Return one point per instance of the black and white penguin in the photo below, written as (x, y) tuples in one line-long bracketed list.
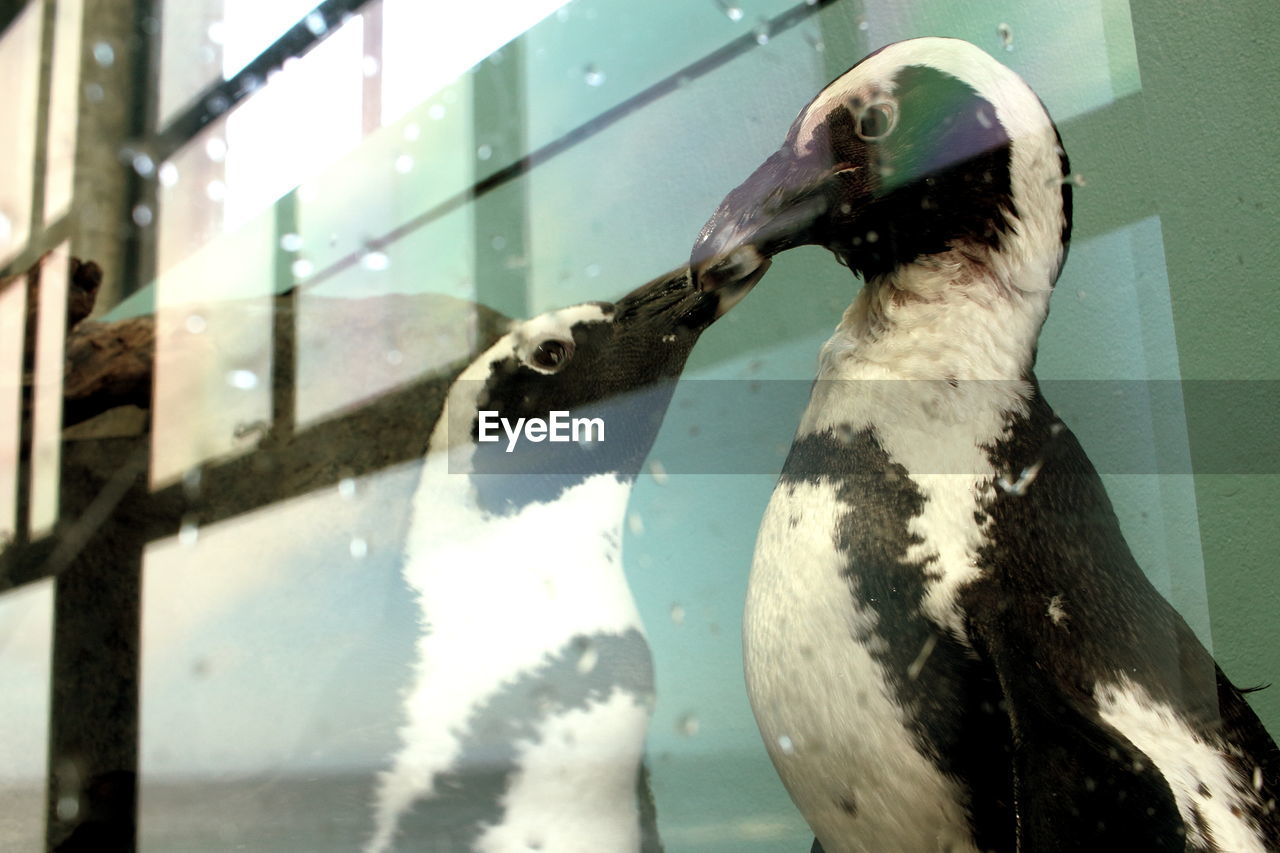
[(948, 644), (526, 721)]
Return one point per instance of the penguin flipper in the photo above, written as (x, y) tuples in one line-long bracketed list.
[(1077, 782)]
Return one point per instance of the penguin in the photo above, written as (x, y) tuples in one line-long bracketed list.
[(948, 644), (526, 719)]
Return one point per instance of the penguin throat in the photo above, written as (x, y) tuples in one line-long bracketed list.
[(951, 316)]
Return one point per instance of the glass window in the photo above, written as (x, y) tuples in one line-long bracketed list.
[(26, 638), (19, 64), (344, 260)]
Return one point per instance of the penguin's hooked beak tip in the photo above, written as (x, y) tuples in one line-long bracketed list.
[(731, 279), (740, 267)]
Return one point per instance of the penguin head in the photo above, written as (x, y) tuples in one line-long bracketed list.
[(591, 381), (924, 148)]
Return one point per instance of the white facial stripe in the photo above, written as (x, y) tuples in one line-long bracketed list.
[(554, 324), (1017, 107)]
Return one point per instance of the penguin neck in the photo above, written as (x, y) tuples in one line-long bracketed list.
[(942, 352), (954, 316)]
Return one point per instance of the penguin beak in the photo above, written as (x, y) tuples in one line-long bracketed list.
[(673, 304), (787, 202)]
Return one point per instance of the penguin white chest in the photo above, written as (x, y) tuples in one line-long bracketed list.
[(824, 703)]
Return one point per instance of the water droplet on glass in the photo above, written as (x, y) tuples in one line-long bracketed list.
[(863, 25), (104, 54), (1019, 487), (635, 524), (1076, 179), (191, 480), (787, 745), (217, 32), (815, 42), (922, 657), (216, 190), (404, 164), (143, 165), (167, 174), (762, 32), (435, 112), (291, 242), (1005, 32), (732, 12), (593, 270), (484, 152), (688, 725), (593, 75), (369, 66), (498, 242), (217, 105), (659, 473), (94, 93), (677, 614), (393, 356), (1257, 778), (245, 380), (359, 548), (216, 149), (141, 215), (196, 324), (188, 533), (301, 268), (68, 807), (375, 260), (315, 23), (872, 236), (562, 14), (347, 487)]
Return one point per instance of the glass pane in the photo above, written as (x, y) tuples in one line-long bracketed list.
[(306, 115), (64, 107), (426, 46), (26, 650), (331, 260), (270, 673), (46, 453), (13, 318), (20, 68), (213, 352), (388, 337), (206, 40)]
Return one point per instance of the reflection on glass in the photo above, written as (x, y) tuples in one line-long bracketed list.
[(26, 640), (204, 40), (64, 106), (370, 329), (19, 69), (46, 443), (307, 115), (13, 309), (271, 672), (213, 351), (399, 172), (426, 46)]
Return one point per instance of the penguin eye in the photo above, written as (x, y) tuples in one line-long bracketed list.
[(876, 121), (552, 354)]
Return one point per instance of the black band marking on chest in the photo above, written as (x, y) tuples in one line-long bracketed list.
[(468, 797), (950, 700)]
